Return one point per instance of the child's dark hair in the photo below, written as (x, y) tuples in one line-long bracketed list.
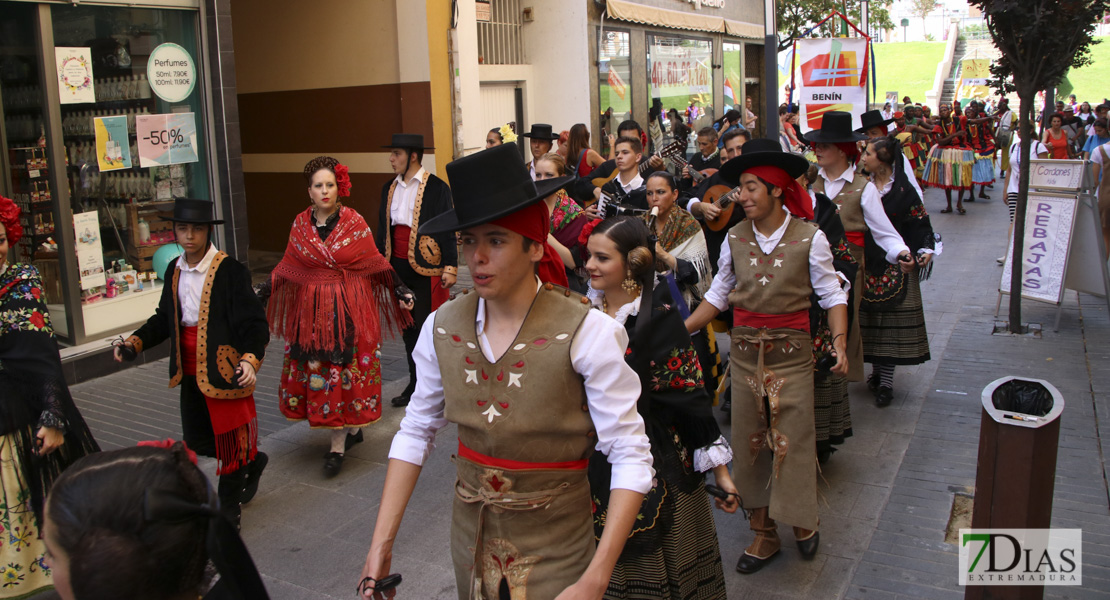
[(96, 512)]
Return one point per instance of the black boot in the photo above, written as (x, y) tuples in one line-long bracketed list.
[(254, 474), (230, 492)]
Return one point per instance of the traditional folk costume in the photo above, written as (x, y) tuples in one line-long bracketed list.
[(331, 291), (213, 320), (767, 282), (861, 211), (35, 396), (529, 420), (544, 132), (892, 316), (567, 221), (982, 142), (420, 260), (874, 118), (673, 551), (950, 164)]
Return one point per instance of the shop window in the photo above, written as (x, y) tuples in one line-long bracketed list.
[(681, 77), (734, 81), (130, 146), (500, 32), (614, 85)]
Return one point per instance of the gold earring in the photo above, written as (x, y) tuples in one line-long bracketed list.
[(630, 285)]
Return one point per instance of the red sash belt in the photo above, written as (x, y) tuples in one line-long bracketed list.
[(502, 463), (401, 241), (795, 320), (189, 350), (856, 238)]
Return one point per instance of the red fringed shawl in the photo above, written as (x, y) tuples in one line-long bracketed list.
[(346, 274)]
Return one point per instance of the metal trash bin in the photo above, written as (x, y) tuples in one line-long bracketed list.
[(1015, 479)]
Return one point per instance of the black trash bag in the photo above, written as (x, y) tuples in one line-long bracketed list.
[(1025, 397)]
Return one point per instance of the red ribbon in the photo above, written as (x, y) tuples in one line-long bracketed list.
[(795, 198)]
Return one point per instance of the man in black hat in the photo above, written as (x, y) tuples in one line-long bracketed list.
[(218, 331), (540, 140), (427, 264), (535, 380)]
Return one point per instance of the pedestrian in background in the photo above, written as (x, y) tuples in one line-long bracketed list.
[(217, 331), (332, 291), (41, 431)]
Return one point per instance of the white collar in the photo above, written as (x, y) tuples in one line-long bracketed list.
[(848, 175), (202, 266), (636, 182), (480, 318), (417, 177), (777, 235), (630, 309)]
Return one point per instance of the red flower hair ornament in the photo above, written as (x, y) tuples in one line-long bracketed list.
[(9, 217), (343, 180), (168, 445), (587, 230)]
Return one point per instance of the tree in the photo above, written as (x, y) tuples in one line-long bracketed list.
[(1032, 61), (795, 17), (921, 9)]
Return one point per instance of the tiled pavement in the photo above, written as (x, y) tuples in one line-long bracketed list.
[(889, 489)]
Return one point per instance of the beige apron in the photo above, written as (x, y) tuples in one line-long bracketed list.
[(773, 430), (519, 521)]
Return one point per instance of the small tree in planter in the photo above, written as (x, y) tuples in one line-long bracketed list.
[(1040, 41)]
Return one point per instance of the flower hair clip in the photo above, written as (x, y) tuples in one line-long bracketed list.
[(343, 180), (507, 134), (587, 230)]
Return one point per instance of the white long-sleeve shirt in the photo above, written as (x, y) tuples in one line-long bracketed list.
[(821, 274), (886, 236), (404, 199), (612, 390), (190, 286)]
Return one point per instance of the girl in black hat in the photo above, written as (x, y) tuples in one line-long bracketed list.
[(218, 330)]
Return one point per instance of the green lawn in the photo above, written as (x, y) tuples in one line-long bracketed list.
[(908, 68), (1090, 83)]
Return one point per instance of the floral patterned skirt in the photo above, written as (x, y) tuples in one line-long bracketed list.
[(23, 572), (332, 395)]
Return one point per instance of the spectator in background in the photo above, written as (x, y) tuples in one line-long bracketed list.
[(730, 121), (581, 158), (1101, 112), (749, 116), (561, 143), (1072, 104), (679, 129), (1085, 115), (1056, 138), (788, 138), (1100, 137)]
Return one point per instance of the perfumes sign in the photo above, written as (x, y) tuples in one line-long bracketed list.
[(710, 3), (172, 72)]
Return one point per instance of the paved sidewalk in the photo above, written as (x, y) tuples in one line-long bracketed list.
[(884, 510)]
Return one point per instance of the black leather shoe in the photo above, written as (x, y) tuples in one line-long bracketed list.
[(824, 455), (254, 474), (333, 463), (884, 396), (749, 564), (873, 383), (352, 439), (400, 401), (808, 548)]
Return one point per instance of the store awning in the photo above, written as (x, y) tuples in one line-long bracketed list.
[(662, 17)]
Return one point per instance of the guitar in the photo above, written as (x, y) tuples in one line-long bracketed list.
[(724, 198), (696, 175), (671, 150)]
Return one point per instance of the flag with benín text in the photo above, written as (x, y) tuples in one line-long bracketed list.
[(831, 74)]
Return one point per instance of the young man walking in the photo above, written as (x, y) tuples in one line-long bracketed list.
[(535, 380), (427, 264)]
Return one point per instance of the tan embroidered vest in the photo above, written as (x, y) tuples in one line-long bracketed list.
[(849, 200), (530, 405), (777, 283)]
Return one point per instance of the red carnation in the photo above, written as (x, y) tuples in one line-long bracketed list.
[(587, 229), (168, 444), (9, 217), (38, 320), (343, 180)]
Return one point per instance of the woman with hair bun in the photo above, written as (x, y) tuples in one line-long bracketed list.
[(142, 523), (673, 550), (41, 431), (331, 293)]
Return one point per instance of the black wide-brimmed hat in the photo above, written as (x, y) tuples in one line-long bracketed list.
[(836, 128), (192, 210), (410, 141), (872, 118), (763, 152), (541, 131), (489, 185)]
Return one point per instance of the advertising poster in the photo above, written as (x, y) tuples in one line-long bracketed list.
[(75, 75), (681, 73), (171, 72), (831, 76), (166, 139), (1048, 230), (113, 150), (90, 256), (974, 74)]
